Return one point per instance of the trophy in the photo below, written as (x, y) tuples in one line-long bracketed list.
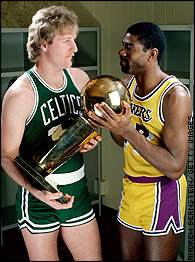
[(73, 133), (105, 88)]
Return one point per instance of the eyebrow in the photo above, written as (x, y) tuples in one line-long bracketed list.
[(67, 36), (127, 43)]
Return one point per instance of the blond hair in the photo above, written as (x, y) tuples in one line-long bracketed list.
[(45, 24)]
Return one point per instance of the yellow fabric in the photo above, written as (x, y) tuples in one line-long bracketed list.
[(147, 118), (138, 206)]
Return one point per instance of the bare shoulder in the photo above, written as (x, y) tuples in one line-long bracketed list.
[(178, 99), (178, 92), (21, 87), (80, 77), (20, 94)]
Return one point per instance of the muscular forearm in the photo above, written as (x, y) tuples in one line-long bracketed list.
[(12, 171), (45, 196), (158, 156)]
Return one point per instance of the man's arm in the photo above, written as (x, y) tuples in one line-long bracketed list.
[(170, 157), (119, 140), (17, 106)]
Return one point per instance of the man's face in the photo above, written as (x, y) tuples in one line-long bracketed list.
[(62, 49), (132, 55)]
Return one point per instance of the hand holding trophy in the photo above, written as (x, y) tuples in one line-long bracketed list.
[(71, 136)]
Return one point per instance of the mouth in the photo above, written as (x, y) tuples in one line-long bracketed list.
[(123, 62), (70, 56), (124, 66)]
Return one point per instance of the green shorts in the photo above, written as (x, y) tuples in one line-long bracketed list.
[(39, 217)]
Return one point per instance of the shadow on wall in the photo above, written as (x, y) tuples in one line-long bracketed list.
[(19, 13)]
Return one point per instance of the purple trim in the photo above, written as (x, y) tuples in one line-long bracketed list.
[(153, 91), (168, 205), (144, 179), (130, 82)]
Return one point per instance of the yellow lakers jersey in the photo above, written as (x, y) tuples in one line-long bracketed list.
[(147, 118)]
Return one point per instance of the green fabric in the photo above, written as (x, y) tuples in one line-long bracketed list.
[(34, 213), (50, 110)]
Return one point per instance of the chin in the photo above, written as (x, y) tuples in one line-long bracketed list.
[(68, 64), (125, 70)]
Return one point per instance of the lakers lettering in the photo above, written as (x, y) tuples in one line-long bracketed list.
[(142, 112), (57, 107)]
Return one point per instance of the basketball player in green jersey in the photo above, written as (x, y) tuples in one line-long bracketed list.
[(154, 134), (35, 105)]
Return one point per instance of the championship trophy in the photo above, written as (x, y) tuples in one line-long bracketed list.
[(72, 134)]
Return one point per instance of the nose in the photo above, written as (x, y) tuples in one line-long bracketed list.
[(122, 52), (74, 46)]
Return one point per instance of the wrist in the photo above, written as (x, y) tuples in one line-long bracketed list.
[(127, 132)]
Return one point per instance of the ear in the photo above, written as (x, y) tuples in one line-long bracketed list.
[(44, 46), (153, 55)]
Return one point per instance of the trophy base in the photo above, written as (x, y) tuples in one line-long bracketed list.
[(39, 178)]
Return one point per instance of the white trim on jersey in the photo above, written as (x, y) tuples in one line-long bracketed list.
[(36, 99), (160, 105), (58, 90)]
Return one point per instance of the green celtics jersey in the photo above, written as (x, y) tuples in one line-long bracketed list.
[(51, 108)]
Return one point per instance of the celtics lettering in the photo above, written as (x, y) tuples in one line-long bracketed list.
[(57, 107)]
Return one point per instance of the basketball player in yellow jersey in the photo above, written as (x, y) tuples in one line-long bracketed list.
[(154, 134)]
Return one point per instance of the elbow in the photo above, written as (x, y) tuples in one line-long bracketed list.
[(6, 160), (175, 176), (176, 172)]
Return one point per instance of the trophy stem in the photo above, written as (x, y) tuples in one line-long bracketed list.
[(53, 151), (46, 185)]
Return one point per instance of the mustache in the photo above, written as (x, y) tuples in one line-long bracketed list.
[(123, 59)]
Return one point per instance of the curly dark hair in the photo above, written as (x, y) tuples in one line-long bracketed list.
[(150, 36)]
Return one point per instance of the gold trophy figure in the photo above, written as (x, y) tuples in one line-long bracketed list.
[(105, 88), (70, 136)]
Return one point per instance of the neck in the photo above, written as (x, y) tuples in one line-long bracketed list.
[(147, 81), (52, 76)]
